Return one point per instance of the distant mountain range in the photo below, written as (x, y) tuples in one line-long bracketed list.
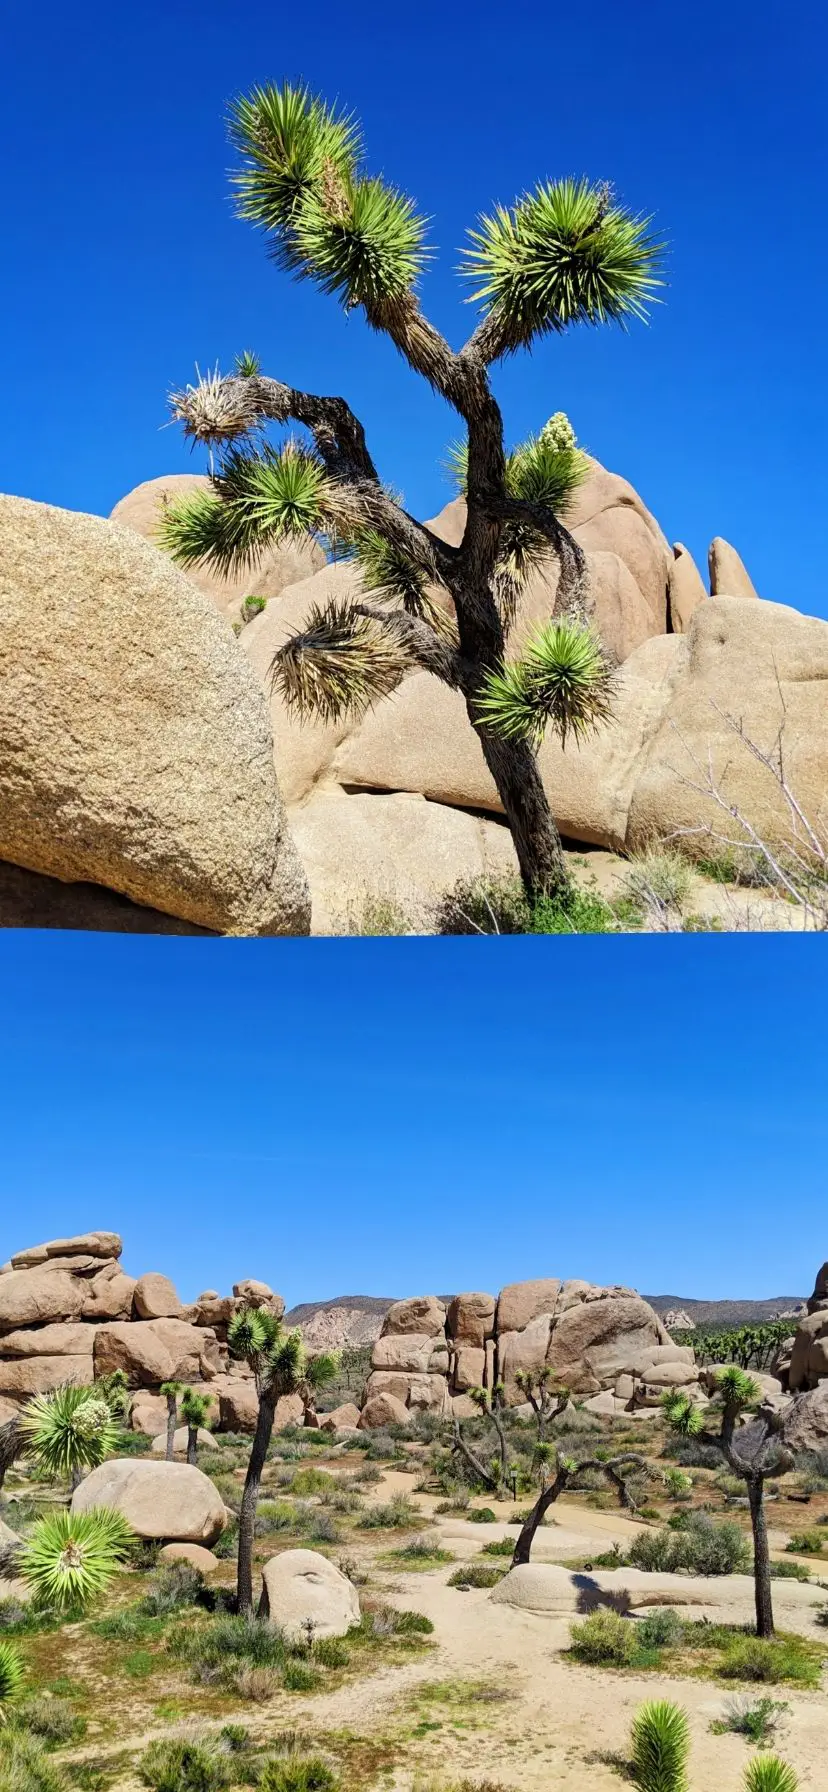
[(355, 1319)]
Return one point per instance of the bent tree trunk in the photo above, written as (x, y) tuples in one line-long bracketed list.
[(250, 1500), (761, 1557), (523, 1547), (536, 839)]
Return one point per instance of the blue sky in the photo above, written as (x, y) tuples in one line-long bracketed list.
[(401, 1116), (124, 265)]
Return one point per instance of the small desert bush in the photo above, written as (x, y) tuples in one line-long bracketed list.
[(770, 1659), (690, 1452), (476, 1574), (173, 1586), (298, 1677), (226, 1642), (26, 1766), (256, 1684), (293, 1773), (495, 905), (790, 1571), (385, 1621), (660, 1630), (400, 1513), (757, 1719), (604, 1639), (807, 1543), (421, 1556), (309, 1480), (767, 1774), (182, 1764), (51, 1718), (699, 1547), (482, 1515), (502, 1546)]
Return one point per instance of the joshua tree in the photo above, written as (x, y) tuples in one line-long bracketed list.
[(568, 1474), (754, 1452), (171, 1391), (194, 1411), (319, 1372), (68, 1431), (547, 1398), (566, 253), (280, 1366)]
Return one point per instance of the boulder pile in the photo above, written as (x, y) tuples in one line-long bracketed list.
[(807, 1363), (607, 1345), (69, 1314), (141, 741)]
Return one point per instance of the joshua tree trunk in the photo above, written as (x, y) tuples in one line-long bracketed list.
[(250, 1499), (537, 842), (171, 1421), (192, 1445), (11, 1443), (761, 1556), (523, 1547)]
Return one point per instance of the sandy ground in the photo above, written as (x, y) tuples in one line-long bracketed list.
[(554, 1724)]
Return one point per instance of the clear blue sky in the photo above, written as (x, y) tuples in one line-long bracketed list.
[(401, 1116), (123, 264)]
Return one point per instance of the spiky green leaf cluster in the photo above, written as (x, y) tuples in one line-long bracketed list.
[(545, 470), (322, 1369), (681, 1413), (566, 253), (248, 365), (766, 1773), (339, 665), (12, 1674), (300, 180), (660, 1740), (68, 1430), (70, 1557), (395, 576), (736, 1388), (254, 502), (252, 1333), (562, 681), (195, 1408)]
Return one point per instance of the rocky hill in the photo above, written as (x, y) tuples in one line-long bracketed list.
[(726, 1312)]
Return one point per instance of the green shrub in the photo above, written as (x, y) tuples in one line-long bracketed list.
[(495, 905), (770, 1659), (297, 1677), (173, 1586), (660, 1739), (660, 1630), (11, 1677), (699, 1547), (51, 1718), (604, 1639), (331, 1652), (292, 1774), (502, 1546), (227, 1641), (174, 1764), (25, 1765), (806, 1543), (311, 1480), (790, 1571), (482, 1515), (399, 1514), (757, 1719), (476, 1574)]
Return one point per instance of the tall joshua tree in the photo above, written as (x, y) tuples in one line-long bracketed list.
[(566, 253), (195, 1410), (171, 1391), (280, 1366), (754, 1451)]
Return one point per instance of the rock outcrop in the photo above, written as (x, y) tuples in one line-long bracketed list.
[(807, 1364), (430, 1354), (135, 748), (68, 1314)]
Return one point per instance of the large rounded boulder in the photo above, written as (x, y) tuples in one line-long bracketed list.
[(306, 1594), (166, 1500), (135, 746)]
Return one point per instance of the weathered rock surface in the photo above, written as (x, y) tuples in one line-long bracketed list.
[(38, 1297), (204, 1441), (40, 1374), (729, 576), (340, 1418), (686, 589), (305, 1593), (381, 1410), (194, 1553), (470, 1319), (806, 1422), (104, 1245), (141, 510), (158, 1499), (135, 750), (136, 1349), (156, 1298), (421, 1313)]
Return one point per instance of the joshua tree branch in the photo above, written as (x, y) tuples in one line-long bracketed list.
[(420, 640)]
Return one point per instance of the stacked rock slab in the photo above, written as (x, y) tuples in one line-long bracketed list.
[(807, 1364), (432, 1352), (69, 1314)]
